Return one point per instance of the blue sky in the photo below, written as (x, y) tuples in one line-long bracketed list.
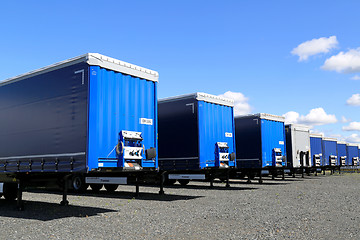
[(210, 46)]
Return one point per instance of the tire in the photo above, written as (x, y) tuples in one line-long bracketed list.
[(183, 182), (10, 191), (96, 187), (111, 187), (78, 184)]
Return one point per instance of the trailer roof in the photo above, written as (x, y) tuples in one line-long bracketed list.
[(352, 145), (200, 96), (341, 142), (266, 116), (93, 59), (329, 139), (298, 127), (317, 135)]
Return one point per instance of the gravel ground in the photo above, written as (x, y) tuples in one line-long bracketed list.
[(322, 207)]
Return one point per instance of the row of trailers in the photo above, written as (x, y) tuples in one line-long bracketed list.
[(96, 121)]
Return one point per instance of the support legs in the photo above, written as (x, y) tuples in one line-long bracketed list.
[(19, 202), (162, 180), (64, 201)]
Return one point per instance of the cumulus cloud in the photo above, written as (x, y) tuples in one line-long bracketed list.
[(315, 117), (291, 117), (344, 62), (353, 138), (353, 126), (354, 100), (356, 77), (315, 46), (241, 102)]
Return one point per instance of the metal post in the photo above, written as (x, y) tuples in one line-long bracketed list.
[(260, 177), (227, 178), (64, 201), (19, 202), (137, 187), (249, 179), (162, 179), (302, 171), (283, 173), (211, 181)]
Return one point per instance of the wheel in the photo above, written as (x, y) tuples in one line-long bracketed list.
[(10, 191), (96, 187), (78, 183), (111, 187), (183, 182)]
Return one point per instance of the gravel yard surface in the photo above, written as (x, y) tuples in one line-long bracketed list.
[(316, 207)]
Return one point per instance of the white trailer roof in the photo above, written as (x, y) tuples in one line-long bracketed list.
[(299, 127), (200, 96), (318, 135), (93, 59)]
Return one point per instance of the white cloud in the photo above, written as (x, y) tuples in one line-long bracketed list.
[(353, 126), (315, 46), (345, 120), (353, 138), (291, 117), (354, 100), (348, 62), (241, 102), (356, 77), (316, 116)]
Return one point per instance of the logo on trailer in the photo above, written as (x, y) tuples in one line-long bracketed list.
[(227, 134), (146, 121)]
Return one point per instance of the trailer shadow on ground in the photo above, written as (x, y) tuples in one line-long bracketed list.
[(147, 196), (193, 185), (45, 211)]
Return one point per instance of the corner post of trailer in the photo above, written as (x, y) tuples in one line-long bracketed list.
[(19, 201)]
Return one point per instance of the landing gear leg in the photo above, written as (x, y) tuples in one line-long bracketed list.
[(64, 201)]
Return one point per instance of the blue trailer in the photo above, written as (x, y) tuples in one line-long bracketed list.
[(91, 119), (316, 151), (342, 154), (330, 155), (196, 137), (260, 145), (352, 154)]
